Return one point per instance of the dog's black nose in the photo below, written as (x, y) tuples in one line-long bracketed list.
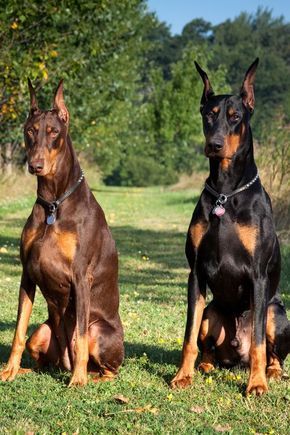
[(215, 146), (36, 166)]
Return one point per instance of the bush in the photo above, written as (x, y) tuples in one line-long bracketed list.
[(141, 171)]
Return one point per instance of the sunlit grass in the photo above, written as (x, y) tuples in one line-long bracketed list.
[(149, 226)]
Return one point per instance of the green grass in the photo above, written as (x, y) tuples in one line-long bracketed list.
[(149, 226)]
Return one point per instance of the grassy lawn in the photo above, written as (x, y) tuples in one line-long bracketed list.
[(149, 226)]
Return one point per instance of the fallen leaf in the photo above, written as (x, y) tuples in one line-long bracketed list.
[(121, 399), (197, 409), (147, 408), (220, 428)]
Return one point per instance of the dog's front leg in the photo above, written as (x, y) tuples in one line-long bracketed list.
[(25, 303), (257, 382), (82, 298), (195, 308)]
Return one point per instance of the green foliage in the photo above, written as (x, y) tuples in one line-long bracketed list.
[(130, 85), (95, 46), (175, 109), (277, 158), (239, 42)]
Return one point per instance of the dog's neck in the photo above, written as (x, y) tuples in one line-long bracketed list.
[(67, 172), (240, 170)]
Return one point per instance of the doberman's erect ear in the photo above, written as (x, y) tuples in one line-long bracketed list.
[(247, 89), (33, 100), (207, 90), (59, 105)]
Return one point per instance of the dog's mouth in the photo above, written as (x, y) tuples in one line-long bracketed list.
[(35, 171)]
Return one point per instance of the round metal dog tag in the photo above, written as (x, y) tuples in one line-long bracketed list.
[(219, 210), (50, 219)]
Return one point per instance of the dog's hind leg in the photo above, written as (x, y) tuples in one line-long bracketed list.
[(206, 342), (106, 350), (43, 346), (278, 339)]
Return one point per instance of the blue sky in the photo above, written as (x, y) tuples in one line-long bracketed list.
[(177, 13)]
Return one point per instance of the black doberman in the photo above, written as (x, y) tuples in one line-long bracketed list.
[(68, 251), (231, 244)]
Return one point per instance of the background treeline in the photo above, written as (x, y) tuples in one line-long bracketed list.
[(131, 86)]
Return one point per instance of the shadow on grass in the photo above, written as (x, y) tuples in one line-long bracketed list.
[(158, 356), (161, 253)]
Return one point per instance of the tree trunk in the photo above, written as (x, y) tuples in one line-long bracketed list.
[(6, 154)]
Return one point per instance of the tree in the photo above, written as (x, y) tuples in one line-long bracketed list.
[(96, 46), (239, 42)]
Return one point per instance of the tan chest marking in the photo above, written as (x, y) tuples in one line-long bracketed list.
[(248, 237), (197, 232), (66, 242)]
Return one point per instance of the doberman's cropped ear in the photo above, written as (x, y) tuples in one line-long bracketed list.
[(207, 90), (247, 89), (33, 100), (59, 105)]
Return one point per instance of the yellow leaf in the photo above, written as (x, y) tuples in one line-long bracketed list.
[(208, 380), (53, 53), (14, 25), (121, 399), (45, 74)]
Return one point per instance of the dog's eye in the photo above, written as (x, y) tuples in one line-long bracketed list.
[(234, 117), (210, 116), (54, 132)]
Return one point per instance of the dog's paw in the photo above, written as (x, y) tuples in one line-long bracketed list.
[(78, 379), (257, 387), (181, 380), (9, 372), (274, 372), (205, 367)]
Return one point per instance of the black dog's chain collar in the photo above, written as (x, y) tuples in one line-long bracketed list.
[(222, 198), (53, 206)]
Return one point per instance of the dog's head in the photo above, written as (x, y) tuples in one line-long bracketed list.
[(45, 133), (226, 117)]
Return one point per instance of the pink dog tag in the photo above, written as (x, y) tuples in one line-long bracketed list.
[(219, 210)]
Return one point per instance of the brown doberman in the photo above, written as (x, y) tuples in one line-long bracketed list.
[(225, 338), (231, 246), (67, 250)]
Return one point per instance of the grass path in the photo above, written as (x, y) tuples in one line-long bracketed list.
[(149, 226)]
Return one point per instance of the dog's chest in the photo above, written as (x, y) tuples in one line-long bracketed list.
[(225, 256), (225, 238), (48, 253)]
